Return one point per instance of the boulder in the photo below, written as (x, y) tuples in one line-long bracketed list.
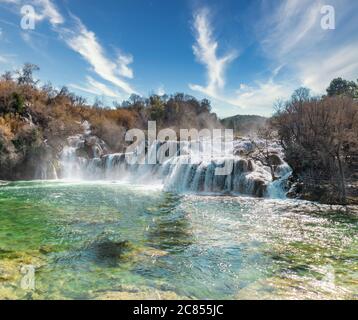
[(259, 188)]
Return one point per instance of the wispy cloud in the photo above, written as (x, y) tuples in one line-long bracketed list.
[(286, 31), (48, 10), (318, 71), (298, 50), (161, 90), (123, 62), (292, 25), (44, 10), (85, 42), (259, 96), (205, 50), (96, 88), (292, 36)]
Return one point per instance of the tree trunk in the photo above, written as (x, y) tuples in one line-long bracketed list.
[(342, 180)]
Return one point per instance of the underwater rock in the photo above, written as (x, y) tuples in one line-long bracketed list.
[(241, 166), (250, 166), (152, 252), (259, 188), (106, 252), (46, 249)]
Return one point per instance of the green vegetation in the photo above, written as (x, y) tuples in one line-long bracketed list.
[(339, 87)]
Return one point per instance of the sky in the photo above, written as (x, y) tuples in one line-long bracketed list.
[(243, 55)]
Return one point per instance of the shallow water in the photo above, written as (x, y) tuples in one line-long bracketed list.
[(108, 240)]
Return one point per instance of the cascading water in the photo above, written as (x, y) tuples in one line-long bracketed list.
[(188, 170)]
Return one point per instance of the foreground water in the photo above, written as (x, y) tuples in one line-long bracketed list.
[(115, 241)]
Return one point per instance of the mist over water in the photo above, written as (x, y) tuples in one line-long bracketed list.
[(191, 168)]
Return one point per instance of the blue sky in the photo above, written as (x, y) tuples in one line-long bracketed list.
[(241, 54)]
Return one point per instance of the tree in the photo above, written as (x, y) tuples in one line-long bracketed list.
[(205, 105), (156, 108), (262, 151), (25, 75), (7, 76), (301, 95), (18, 103), (340, 87), (319, 138)]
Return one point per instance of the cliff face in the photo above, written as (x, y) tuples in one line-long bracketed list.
[(21, 146)]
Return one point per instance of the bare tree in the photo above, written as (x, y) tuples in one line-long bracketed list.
[(319, 137)]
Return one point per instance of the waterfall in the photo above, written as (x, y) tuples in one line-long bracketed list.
[(188, 170), (72, 165), (46, 171)]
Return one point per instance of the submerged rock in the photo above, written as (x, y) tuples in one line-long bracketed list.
[(259, 188), (107, 252)]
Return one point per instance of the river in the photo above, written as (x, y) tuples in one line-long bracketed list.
[(106, 240)]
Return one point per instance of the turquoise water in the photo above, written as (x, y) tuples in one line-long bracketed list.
[(108, 240)]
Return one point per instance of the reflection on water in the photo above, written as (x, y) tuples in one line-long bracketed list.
[(108, 240)]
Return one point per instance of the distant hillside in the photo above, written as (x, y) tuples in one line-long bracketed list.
[(244, 124)]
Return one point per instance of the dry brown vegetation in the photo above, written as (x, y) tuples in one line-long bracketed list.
[(320, 139), (36, 121)]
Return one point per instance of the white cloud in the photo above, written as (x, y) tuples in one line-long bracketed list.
[(161, 90), (320, 69), (44, 10), (259, 97), (123, 62), (300, 52), (205, 50), (49, 11), (97, 88), (293, 25), (292, 36), (86, 44)]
